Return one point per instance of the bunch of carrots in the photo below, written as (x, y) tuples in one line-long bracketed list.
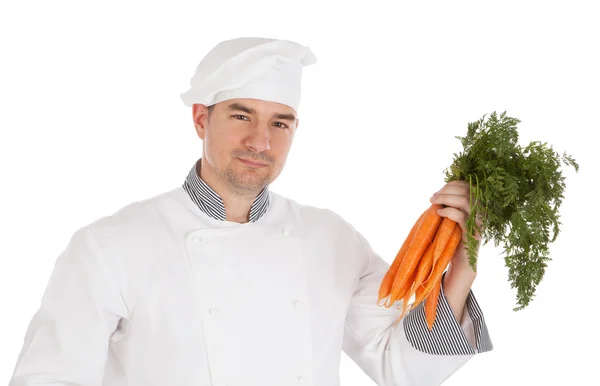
[(420, 263), (515, 190)]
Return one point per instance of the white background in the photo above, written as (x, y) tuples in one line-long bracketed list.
[(91, 120)]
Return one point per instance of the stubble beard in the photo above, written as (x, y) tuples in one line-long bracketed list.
[(248, 186), (245, 186)]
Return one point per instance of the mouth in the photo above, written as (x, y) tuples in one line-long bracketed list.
[(252, 163)]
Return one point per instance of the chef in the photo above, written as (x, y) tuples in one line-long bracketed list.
[(223, 282)]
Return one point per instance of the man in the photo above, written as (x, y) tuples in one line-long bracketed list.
[(223, 282)]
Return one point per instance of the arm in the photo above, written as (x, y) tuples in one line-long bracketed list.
[(457, 287), (67, 339), (404, 352)]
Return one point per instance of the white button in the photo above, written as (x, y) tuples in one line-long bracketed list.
[(297, 304), (214, 310), (302, 380), (285, 232)]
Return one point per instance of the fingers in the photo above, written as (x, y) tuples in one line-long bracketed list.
[(458, 187), (455, 187), (458, 201), (455, 215), (455, 195)]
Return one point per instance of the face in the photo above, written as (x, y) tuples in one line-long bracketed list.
[(246, 142)]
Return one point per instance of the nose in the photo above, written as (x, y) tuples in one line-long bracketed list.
[(259, 138)]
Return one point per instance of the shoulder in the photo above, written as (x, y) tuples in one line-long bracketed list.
[(325, 226), (314, 217), (133, 220)]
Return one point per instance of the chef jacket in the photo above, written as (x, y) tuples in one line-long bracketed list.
[(166, 291)]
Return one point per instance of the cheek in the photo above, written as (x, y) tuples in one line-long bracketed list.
[(280, 153), (222, 141), (214, 150)]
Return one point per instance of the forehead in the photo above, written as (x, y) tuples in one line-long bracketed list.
[(256, 106)]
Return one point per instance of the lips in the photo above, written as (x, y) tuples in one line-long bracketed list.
[(252, 163)]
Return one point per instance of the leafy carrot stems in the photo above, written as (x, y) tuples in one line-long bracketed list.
[(516, 193)]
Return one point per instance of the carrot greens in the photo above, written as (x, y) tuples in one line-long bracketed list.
[(516, 192)]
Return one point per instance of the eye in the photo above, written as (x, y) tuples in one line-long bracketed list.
[(281, 125), (239, 116)]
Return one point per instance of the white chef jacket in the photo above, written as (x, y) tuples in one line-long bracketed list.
[(161, 293)]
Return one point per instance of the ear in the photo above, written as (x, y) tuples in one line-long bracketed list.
[(200, 117), (297, 123)]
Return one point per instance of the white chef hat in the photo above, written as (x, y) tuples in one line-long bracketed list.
[(250, 67)]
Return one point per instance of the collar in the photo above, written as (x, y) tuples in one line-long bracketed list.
[(211, 203)]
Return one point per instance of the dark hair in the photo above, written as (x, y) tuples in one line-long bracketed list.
[(210, 109)]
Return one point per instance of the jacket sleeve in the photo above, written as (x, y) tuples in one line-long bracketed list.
[(67, 338), (404, 352)]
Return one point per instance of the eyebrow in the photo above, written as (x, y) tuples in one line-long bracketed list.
[(240, 107), (285, 117), (249, 110)]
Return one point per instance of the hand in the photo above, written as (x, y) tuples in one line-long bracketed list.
[(455, 195)]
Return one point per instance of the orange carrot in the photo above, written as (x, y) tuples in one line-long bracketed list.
[(400, 292), (386, 284), (406, 294), (431, 302), (425, 265), (441, 239), (422, 238), (399, 288), (419, 290), (441, 264), (423, 269), (445, 230), (406, 290)]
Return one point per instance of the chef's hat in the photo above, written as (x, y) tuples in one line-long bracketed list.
[(249, 67)]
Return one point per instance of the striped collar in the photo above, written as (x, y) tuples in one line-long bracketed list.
[(209, 201)]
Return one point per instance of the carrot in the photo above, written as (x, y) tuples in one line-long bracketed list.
[(427, 260), (405, 304), (431, 302), (407, 293), (425, 265), (441, 264), (445, 230), (422, 238), (399, 293), (419, 290), (400, 287), (441, 239), (386, 284), (423, 269)]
